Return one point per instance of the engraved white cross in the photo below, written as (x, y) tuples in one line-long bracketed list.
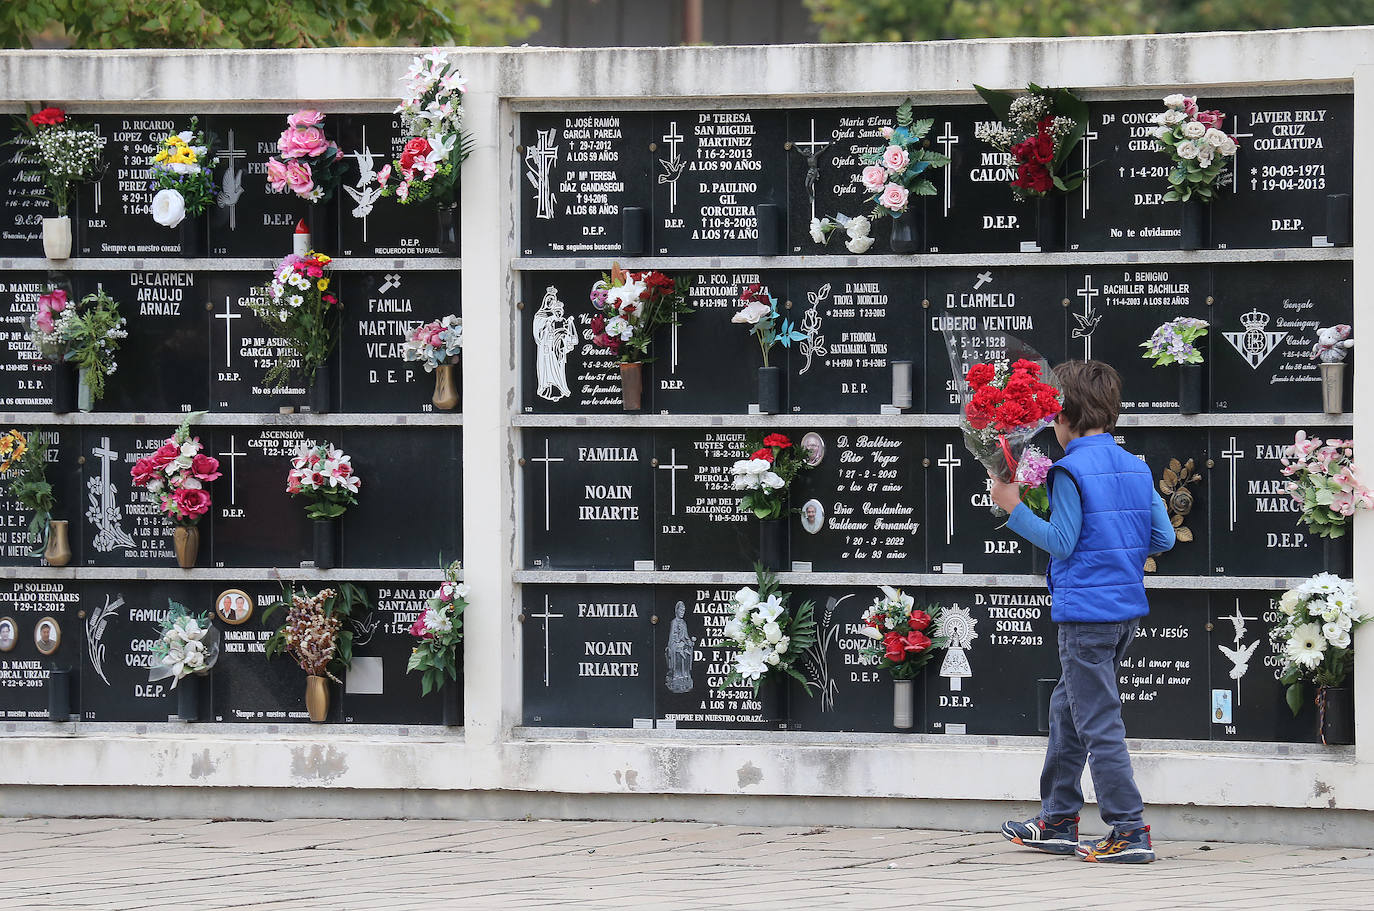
[(546, 617), (1088, 137), (949, 463), (233, 183), (1231, 455), (546, 460), (1235, 161), (672, 139), (947, 141), (233, 475), (673, 468), (228, 316), (1085, 331)]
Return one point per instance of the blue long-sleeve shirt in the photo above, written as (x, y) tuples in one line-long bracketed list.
[(1059, 536)]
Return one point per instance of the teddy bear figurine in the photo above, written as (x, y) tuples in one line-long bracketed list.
[(1333, 343)]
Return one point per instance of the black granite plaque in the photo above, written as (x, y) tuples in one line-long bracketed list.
[(1121, 205), (589, 656), (1252, 514), (412, 492), (589, 499), (384, 309), (827, 146), (698, 524), (162, 365), (243, 349), (864, 505), (250, 220), (694, 660), (24, 669), (1160, 448), (22, 202), (579, 172), (377, 689), (1164, 677), (985, 309), (1247, 699), (116, 216), (123, 524), (122, 624), (964, 536), (16, 545), (1113, 310), (1001, 642), (24, 375), (974, 211), (711, 170), (1264, 328), (856, 326), (250, 688), (373, 225), (708, 364), (1295, 150), (847, 691), (562, 371), (256, 522)]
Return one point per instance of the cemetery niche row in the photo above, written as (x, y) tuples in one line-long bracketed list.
[(885, 500), (105, 630), (110, 216), (729, 181), (400, 521), (653, 656), (193, 343), (1264, 320)]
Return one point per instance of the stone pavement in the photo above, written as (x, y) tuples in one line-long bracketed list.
[(398, 865)]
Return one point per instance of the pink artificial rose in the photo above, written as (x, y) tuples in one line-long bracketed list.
[(192, 502), (293, 483), (54, 301), (403, 190), (205, 468), (143, 471), (299, 178), (446, 591), (276, 174), (1211, 119), (303, 142), (1190, 106), (165, 455), (383, 175), (894, 197), (887, 132), (874, 176), (306, 117), (343, 470), (418, 628), (44, 321), (895, 159)]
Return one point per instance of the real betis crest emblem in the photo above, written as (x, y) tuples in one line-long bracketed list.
[(1255, 344)]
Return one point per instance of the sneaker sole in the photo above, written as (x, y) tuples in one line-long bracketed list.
[(1047, 847), (1137, 856)]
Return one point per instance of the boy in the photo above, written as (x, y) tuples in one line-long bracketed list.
[(1105, 518)]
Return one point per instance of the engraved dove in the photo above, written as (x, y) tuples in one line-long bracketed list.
[(1240, 658)]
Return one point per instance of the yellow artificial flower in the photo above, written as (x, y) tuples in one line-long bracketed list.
[(322, 284), (161, 156), (12, 448)]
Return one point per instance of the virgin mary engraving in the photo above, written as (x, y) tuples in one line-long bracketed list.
[(554, 337), (679, 653)]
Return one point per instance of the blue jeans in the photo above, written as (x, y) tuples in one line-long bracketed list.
[(1086, 727)]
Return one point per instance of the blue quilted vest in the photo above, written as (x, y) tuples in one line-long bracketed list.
[(1102, 581)]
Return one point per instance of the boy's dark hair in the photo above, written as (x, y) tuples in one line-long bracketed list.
[(1091, 395)]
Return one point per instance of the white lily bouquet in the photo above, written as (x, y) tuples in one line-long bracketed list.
[(1315, 638), (189, 645), (766, 635)]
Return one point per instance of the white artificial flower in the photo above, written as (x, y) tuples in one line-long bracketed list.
[(1307, 646), (1173, 117), (858, 244), (770, 658), (1332, 631), (1186, 150), (818, 231), (781, 645), (1204, 156), (169, 208), (1173, 101), (186, 136), (734, 630), (1194, 130), (616, 327), (858, 226), (1227, 148), (769, 610), (460, 590), (1159, 119), (772, 633), (627, 293), (1214, 137), (752, 313), (1289, 602), (772, 481), (746, 597), (872, 632), (1163, 131), (750, 663), (1340, 640), (1321, 584)]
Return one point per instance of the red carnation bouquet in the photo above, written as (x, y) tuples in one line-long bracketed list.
[(1006, 405), (766, 476)]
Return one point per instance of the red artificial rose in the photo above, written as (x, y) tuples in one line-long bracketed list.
[(894, 647), (598, 324), (753, 293), (1042, 148), (205, 468), (916, 642), (48, 116), (1033, 176), (765, 453), (919, 619), (660, 281), (165, 455), (778, 440), (1024, 151), (143, 471), (418, 147), (979, 375)]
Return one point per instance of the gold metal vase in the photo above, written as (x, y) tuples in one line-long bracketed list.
[(58, 550), (186, 541), (445, 387), (317, 697)]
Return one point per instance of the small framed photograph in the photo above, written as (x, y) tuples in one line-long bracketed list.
[(813, 445), (812, 516), (234, 606), (47, 635), (9, 634)]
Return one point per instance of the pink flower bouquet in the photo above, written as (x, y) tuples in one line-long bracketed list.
[(324, 476), (177, 474), (1323, 480), (1031, 473), (310, 164), (439, 629)]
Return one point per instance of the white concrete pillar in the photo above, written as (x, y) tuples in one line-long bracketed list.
[(1363, 405)]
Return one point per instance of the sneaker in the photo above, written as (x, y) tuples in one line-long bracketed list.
[(1053, 837), (1131, 847)]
